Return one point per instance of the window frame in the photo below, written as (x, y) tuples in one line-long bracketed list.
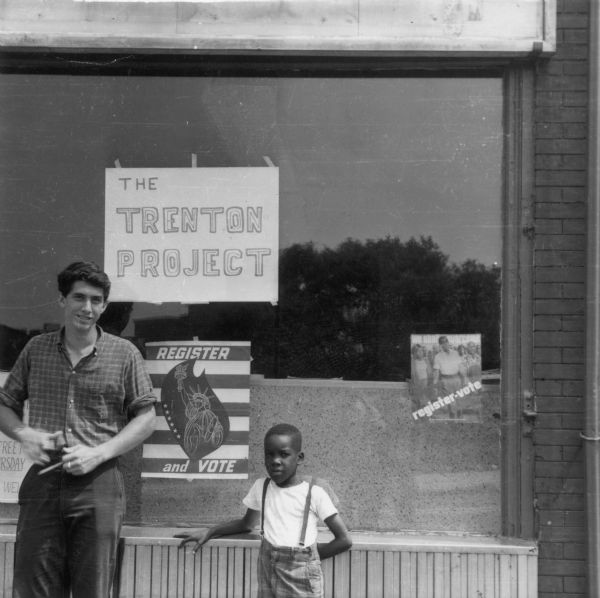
[(518, 401), (517, 396)]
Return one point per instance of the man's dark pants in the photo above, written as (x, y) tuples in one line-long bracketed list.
[(68, 532)]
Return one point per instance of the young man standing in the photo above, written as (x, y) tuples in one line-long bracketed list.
[(90, 400)]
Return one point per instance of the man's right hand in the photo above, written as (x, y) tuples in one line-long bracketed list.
[(35, 443)]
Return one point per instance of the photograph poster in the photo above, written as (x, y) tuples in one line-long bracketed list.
[(445, 376)]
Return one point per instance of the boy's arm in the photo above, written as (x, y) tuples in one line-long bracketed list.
[(235, 526), (341, 538)]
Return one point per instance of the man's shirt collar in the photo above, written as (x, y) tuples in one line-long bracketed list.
[(59, 339)]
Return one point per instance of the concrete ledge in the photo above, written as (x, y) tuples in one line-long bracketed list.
[(413, 542)]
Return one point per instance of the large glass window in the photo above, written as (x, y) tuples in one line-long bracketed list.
[(390, 237)]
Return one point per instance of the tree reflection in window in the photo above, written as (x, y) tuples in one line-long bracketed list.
[(348, 312)]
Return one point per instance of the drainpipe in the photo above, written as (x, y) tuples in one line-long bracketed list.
[(591, 430)]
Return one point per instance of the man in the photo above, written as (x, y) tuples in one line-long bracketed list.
[(472, 363), (90, 400), (448, 374)]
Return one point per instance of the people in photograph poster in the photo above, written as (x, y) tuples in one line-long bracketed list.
[(445, 376), (421, 370), (472, 360)]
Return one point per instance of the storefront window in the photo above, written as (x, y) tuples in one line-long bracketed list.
[(390, 206)]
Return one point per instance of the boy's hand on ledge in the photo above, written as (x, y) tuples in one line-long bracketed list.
[(199, 536), (236, 526)]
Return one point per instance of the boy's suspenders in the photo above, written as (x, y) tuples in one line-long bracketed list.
[(262, 506), (306, 509)]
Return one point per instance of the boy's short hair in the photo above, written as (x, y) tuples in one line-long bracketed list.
[(286, 430), (88, 272)]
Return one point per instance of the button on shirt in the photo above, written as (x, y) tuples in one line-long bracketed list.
[(91, 401)]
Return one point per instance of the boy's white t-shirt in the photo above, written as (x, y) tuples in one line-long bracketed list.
[(284, 511)]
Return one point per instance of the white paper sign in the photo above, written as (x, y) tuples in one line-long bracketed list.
[(13, 463), (192, 235), (13, 467)]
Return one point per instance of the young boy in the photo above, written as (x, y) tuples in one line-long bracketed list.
[(287, 509)]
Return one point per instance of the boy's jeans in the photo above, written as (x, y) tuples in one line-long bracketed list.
[(68, 533), (289, 572)]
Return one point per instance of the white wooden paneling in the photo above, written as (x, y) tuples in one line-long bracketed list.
[(378, 566)]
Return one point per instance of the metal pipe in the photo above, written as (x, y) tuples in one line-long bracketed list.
[(591, 430)]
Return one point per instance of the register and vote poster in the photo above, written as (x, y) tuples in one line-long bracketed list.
[(202, 422)]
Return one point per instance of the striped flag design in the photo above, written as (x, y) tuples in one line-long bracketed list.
[(203, 414)]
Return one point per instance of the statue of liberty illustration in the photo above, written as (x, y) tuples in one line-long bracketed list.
[(193, 411), (202, 424)]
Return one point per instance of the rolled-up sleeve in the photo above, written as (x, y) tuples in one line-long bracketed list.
[(14, 393), (139, 392)]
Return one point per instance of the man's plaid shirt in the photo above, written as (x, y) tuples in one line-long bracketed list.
[(90, 402)]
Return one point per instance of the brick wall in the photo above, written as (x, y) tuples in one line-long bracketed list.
[(559, 295)]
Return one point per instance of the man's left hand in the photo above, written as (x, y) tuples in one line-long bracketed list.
[(80, 459)]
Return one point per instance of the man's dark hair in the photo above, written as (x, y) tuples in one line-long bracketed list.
[(88, 272), (286, 430)]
